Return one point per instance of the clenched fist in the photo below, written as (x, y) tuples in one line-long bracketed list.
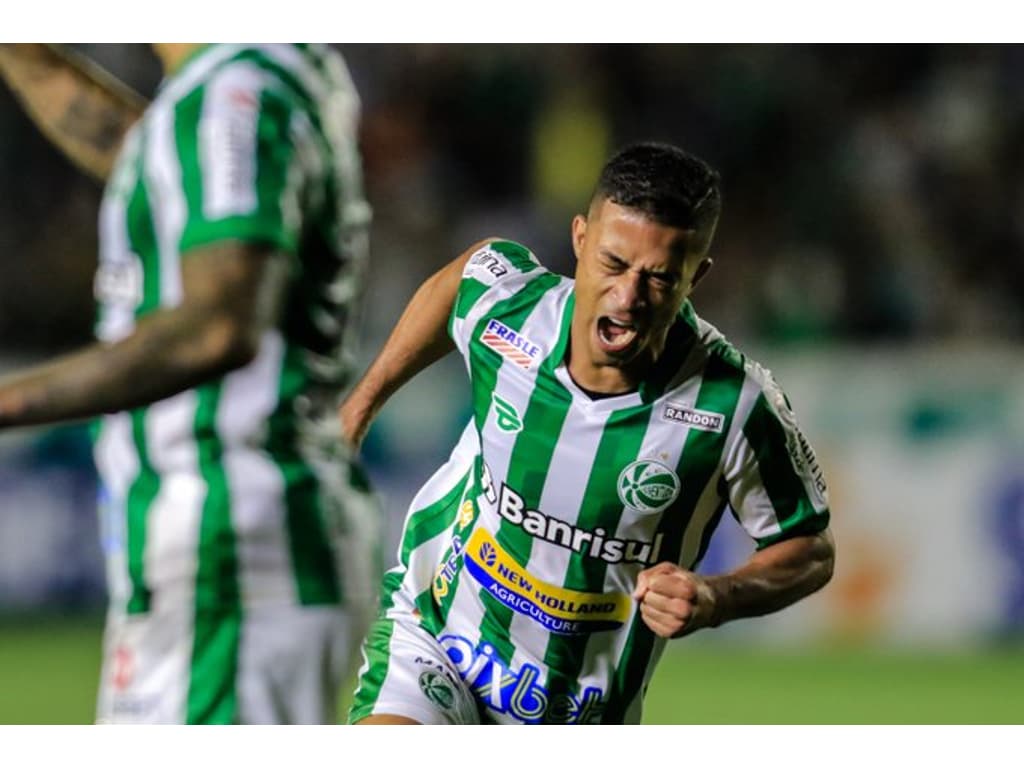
[(675, 602)]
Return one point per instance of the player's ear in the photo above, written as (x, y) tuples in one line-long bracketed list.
[(702, 269), (579, 233)]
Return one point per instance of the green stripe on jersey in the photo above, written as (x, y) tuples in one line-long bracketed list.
[(187, 114), (518, 255), (471, 289), (146, 485), (211, 696), (701, 455), (140, 498), (793, 509), (317, 578)]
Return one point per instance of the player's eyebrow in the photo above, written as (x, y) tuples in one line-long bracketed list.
[(618, 260)]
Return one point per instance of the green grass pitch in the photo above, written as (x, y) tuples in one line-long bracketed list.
[(48, 674)]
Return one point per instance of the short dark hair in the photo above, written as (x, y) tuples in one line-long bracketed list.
[(667, 184)]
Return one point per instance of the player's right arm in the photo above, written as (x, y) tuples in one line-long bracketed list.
[(77, 105), (419, 338), (233, 292)]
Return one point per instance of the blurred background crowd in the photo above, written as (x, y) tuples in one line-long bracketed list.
[(870, 251)]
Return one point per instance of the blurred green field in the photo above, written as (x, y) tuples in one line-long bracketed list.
[(48, 675)]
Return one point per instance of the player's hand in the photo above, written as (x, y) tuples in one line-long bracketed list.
[(673, 601)]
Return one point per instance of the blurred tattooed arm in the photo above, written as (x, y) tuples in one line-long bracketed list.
[(80, 107)]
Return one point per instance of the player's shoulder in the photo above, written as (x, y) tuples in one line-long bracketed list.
[(727, 355), (287, 71), (497, 259), (745, 367)]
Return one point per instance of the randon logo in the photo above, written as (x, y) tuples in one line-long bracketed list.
[(648, 486)]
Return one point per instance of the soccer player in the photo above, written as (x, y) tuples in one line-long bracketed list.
[(543, 568), (241, 542)]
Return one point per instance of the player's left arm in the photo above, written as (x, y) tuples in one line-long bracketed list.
[(675, 602), (232, 293), (776, 490)]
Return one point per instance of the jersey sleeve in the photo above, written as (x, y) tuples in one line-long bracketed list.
[(495, 272), (243, 161), (776, 487)]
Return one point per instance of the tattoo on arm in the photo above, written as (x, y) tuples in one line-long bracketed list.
[(80, 107), (93, 122)]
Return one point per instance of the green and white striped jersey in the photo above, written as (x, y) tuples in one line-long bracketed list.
[(521, 554), (217, 489)]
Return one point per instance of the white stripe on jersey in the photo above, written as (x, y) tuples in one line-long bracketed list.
[(173, 519), (118, 464), (116, 259), (747, 496), (248, 397), (228, 126), (167, 198)]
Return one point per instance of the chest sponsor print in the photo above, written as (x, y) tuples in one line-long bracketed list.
[(706, 421), (558, 609), (510, 344)]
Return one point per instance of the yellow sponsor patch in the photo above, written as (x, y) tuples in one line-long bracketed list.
[(566, 611)]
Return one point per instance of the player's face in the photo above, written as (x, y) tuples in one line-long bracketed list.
[(632, 276)]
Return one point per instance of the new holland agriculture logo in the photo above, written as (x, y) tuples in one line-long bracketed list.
[(648, 486)]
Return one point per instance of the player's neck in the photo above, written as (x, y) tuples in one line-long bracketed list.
[(600, 380)]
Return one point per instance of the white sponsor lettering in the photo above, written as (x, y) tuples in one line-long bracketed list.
[(692, 417)]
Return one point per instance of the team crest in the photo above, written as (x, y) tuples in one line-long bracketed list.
[(648, 486), (436, 688)]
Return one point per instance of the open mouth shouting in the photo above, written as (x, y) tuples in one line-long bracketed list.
[(616, 336)]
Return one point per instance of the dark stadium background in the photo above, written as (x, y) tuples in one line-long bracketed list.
[(871, 252)]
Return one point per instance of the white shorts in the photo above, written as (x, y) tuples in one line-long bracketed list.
[(280, 664), (406, 672)]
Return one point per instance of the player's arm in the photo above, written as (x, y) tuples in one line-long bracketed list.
[(232, 293), (78, 106), (675, 602), (419, 338)]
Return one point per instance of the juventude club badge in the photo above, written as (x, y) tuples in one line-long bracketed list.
[(648, 486), (437, 689)]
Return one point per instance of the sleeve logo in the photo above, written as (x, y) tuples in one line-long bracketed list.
[(487, 265)]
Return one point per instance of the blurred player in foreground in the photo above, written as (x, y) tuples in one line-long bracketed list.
[(241, 543), (543, 568)]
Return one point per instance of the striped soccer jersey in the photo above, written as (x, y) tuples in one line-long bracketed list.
[(520, 557), (221, 492)]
